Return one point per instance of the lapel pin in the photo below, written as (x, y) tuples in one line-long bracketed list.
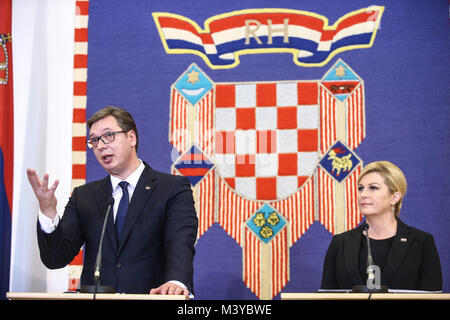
[(147, 187), (403, 239)]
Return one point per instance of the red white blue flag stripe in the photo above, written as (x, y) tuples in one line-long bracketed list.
[(6, 144), (307, 35)]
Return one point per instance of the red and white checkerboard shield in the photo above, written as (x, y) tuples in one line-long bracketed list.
[(266, 137), (265, 141)]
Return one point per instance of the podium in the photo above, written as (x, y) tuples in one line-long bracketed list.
[(364, 296), (90, 296)]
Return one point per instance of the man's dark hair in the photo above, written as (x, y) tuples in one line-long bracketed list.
[(123, 118)]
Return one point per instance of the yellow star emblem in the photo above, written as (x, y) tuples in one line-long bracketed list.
[(340, 71), (193, 77)]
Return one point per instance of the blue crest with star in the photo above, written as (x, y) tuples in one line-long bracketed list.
[(193, 84), (341, 80)]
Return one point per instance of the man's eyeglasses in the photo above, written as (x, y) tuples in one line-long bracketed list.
[(106, 138)]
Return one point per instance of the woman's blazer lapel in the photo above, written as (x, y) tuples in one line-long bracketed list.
[(402, 242), (352, 244)]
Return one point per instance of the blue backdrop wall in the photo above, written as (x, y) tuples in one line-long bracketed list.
[(406, 80)]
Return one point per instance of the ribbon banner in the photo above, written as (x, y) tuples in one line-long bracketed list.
[(306, 35)]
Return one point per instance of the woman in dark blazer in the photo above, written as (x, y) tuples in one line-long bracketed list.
[(407, 257)]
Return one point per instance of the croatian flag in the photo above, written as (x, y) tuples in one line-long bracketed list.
[(6, 144), (304, 34)]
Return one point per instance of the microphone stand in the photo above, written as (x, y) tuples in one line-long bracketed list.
[(96, 288), (371, 270)]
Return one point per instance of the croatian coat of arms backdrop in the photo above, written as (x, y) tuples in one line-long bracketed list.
[(271, 110)]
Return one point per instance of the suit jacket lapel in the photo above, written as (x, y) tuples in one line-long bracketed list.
[(141, 194), (352, 244), (402, 241), (103, 193)]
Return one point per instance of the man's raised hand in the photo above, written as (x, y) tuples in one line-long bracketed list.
[(44, 194)]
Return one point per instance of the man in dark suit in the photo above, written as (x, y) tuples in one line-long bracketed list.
[(148, 245)]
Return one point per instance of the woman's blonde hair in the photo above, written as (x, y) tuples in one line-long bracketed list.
[(393, 177)]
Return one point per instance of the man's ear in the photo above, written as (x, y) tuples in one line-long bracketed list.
[(132, 137)]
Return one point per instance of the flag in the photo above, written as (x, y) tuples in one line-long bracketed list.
[(6, 144), (305, 34), (44, 56)]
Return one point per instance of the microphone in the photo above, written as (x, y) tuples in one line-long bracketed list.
[(369, 253), (98, 262), (373, 283)]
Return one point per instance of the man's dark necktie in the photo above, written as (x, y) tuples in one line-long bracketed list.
[(123, 207)]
